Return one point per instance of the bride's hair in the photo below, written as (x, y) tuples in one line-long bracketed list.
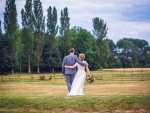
[(81, 56)]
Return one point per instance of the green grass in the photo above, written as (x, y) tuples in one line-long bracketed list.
[(61, 103)]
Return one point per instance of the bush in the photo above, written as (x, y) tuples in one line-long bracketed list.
[(146, 66), (42, 77), (50, 77)]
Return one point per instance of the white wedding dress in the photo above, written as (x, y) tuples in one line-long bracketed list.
[(78, 82)]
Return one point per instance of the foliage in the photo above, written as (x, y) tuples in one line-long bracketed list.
[(50, 55), (132, 49), (39, 31), (27, 32), (7, 60), (65, 42), (64, 20), (52, 27), (31, 48), (85, 43), (10, 27), (100, 31)]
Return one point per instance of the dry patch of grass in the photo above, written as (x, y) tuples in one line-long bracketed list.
[(89, 89), (28, 88), (118, 89)]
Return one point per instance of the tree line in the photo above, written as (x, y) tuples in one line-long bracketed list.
[(40, 46)]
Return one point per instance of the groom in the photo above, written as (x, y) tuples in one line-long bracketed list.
[(69, 73)]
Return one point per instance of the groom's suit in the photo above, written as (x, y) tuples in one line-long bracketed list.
[(69, 73)]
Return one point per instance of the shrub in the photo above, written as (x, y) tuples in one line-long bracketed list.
[(42, 77)]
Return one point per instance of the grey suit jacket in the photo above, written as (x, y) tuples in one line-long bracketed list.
[(70, 60)]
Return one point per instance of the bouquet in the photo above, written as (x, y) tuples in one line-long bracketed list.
[(90, 79)]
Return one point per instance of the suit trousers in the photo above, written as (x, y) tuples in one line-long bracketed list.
[(69, 80)]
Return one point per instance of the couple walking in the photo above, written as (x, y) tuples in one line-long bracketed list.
[(69, 64)]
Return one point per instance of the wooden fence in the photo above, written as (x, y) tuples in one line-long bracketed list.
[(27, 77), (131, 74)]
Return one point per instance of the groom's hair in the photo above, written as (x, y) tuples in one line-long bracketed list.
[(72, 50)]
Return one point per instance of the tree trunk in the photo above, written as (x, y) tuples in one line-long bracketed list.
[(29, 68), (132, 63), (20, 63), (12, 71), (53, 70), (38, 68)]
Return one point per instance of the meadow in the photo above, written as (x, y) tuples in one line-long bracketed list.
[(114, 91)]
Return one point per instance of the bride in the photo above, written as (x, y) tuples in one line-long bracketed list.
[(78, 82)]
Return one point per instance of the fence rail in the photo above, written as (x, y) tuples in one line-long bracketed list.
[(140, 74), (130, 74)]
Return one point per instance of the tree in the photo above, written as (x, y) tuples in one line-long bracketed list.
[(129, 50), (52, 27), (85, 43), (50, 53), (1, 49), (0, 30), (19, 51), (27, 32), (147, 59), (65, 42), (6, 60), (113, 60), (10, 27), (100, 31), (141, 45), (39, 31)]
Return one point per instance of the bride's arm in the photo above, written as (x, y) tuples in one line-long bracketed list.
[(87, 69)]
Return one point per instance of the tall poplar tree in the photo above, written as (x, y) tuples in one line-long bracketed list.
[(100, 31), (50, 53), (52, 27), (10, 27), (64, 32), (0, 30), (1, 49), (27, 37), (5, 58), (39, 31)]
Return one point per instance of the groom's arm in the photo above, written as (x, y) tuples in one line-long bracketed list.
[(63, 64), (80, 62), (70, 66)]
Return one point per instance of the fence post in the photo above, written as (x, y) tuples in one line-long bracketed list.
[(142, 73), (2, 77), (19, 77), (9, 78)]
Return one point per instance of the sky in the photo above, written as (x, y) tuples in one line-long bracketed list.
[(124, 18)]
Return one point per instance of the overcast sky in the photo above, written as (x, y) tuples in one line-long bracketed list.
[(124, 18)]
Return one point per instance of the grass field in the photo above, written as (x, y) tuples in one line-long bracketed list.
[(49, 96)]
